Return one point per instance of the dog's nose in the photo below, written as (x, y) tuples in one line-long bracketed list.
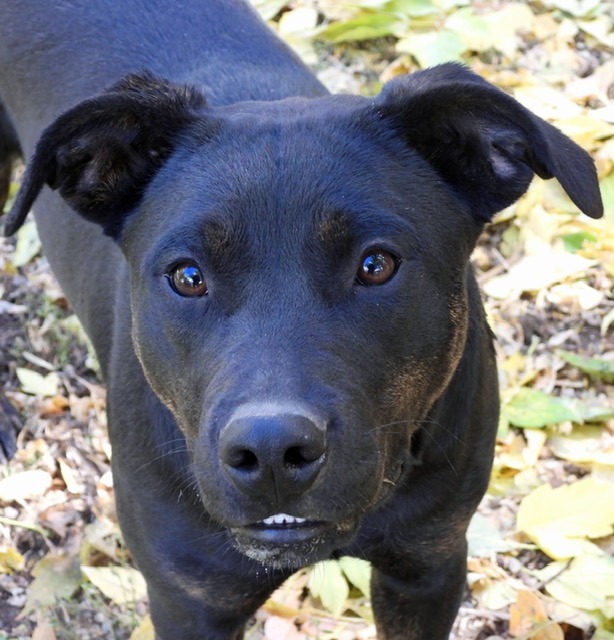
[(276, 455)]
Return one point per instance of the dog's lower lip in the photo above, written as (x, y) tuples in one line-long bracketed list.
[(272, 533)]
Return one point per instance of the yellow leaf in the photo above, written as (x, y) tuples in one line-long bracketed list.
[(36, 384), (144, 631), (587, 583), (584, 444), (560, 520), (532, 273), (122, 585), (585, 130), (10, 560)]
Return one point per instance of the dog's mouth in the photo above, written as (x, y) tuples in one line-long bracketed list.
[(287, 541), (282, 528)]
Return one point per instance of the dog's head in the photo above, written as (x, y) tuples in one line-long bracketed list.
[(299, 274)]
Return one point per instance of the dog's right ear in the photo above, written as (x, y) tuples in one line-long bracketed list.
[(102, 153)]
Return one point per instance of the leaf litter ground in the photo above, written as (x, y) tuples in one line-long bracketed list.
[(541, 546)]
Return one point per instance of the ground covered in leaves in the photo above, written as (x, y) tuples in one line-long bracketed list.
[(541, 547)]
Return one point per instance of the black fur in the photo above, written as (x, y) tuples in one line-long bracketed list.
[(288, 387)]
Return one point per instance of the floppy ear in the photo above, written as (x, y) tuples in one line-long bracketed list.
[(483, 142), (102, 153)]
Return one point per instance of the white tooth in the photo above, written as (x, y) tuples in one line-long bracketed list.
[(283, 518)]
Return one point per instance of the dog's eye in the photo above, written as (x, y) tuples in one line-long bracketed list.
[(187, 280), (376, 267)]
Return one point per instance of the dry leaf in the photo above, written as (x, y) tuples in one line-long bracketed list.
[(11, 560), (122, 585), (24, 485), (560, 520), (56, 577), (144, 631), (36, 384), (535, 272), (528, 618)]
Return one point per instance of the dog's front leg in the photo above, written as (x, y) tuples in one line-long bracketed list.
[(422, 606), (215, 610)]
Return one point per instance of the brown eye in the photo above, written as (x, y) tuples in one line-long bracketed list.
[(187, 280), (376, 267)]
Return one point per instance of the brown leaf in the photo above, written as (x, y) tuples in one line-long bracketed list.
[(528, 619)]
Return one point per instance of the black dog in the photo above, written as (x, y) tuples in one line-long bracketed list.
[(296, 353)]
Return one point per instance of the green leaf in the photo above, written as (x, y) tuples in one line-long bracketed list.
[(586, 584), (531, 408), (430, 49), (56, 578), (327, 583), (594, 367), (364, 27), (28, 244), (358, 572), (575, 241)]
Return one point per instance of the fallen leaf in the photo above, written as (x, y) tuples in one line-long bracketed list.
[(363, 27), (10, 560), (433, 48), (73, 485), (268, 9), (586, 584), (534, 272), (24, 485), (329, 585), (36, 384), (528, 618), (577, 295), (585, 444), (122, 585), (144, 631), (560, 520), (358, 572), (28, 245), (532, 408), (56, 578), (484, 537), (594, 367)]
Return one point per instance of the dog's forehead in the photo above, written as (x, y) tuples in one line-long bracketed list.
[(291, 171), (292, 110)]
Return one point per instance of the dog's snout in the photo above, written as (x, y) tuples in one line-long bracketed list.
[(276, 455)]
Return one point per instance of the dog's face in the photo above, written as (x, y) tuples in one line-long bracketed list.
[(298, 276)]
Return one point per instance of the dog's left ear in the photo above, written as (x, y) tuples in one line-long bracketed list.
[(483, 142), (102, 153)]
